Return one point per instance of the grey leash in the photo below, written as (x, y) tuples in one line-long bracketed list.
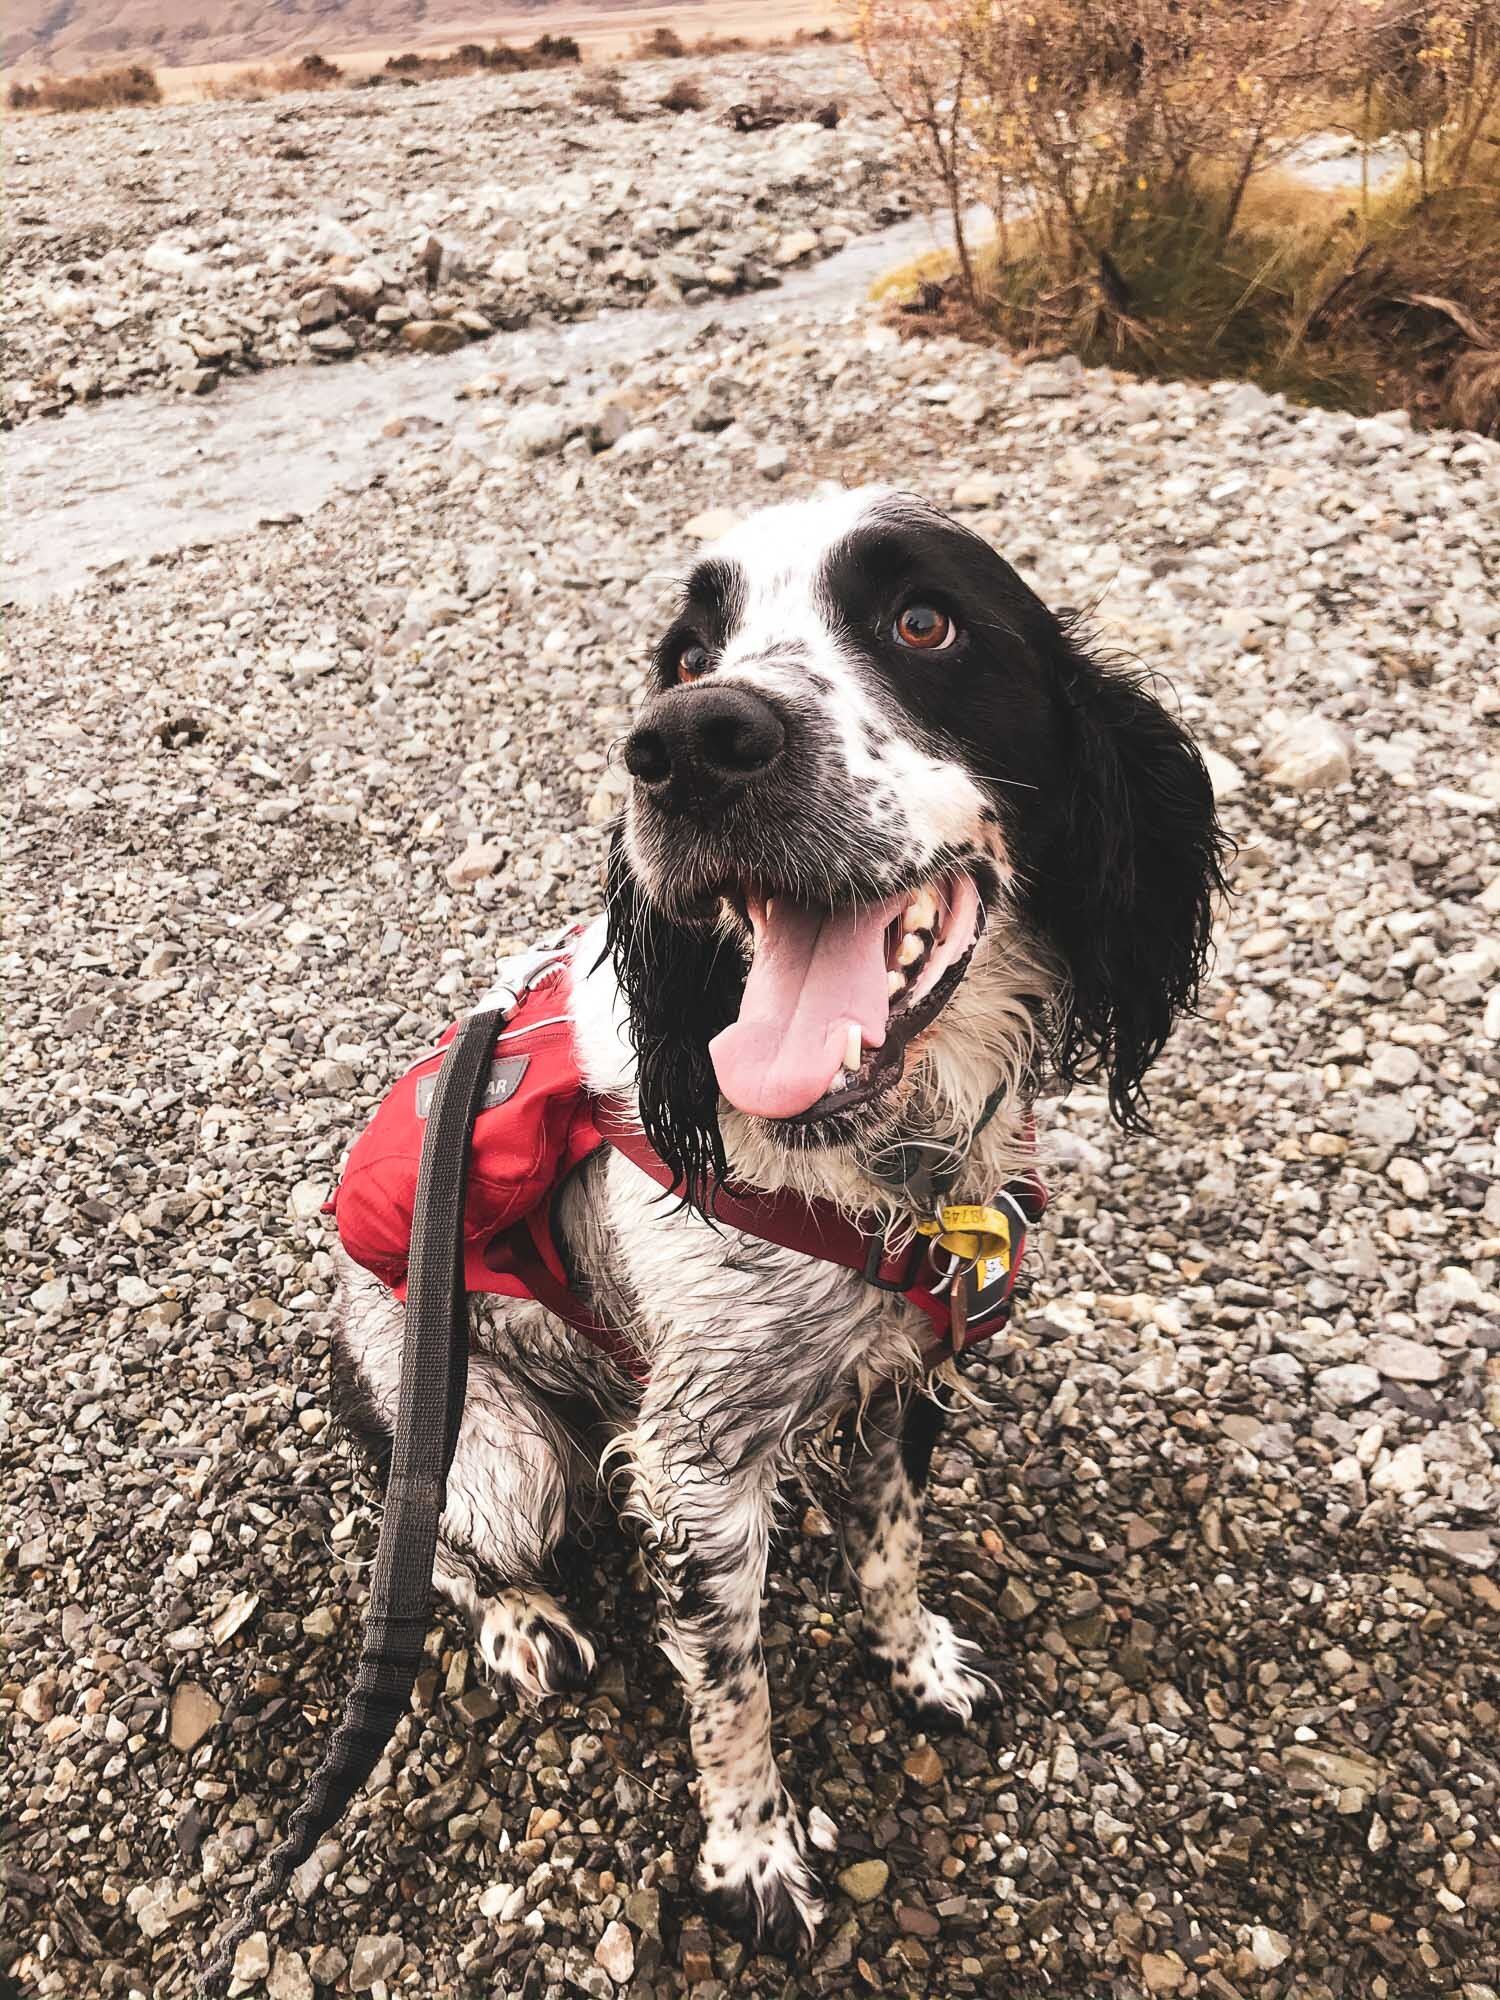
[(434, 1377)]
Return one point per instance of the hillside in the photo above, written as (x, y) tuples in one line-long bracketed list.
[(80, 34)]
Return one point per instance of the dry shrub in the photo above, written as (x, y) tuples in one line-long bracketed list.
[(660, 42), (605, 93), (246, 86), (1123, 155), (684, 93), (97, 90), (472, 58)]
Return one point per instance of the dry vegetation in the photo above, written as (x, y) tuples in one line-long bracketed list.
[(102, 90), (1127, 158), (313, 72), (97, 90)]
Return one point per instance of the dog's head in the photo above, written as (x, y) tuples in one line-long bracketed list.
[(880, 791)]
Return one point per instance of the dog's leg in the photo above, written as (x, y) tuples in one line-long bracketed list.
[(705, 1529), (506, 1510), (940, 1674), (507, 1493)]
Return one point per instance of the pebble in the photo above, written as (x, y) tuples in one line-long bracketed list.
[(1347, 1385), (863, 1881), (375, 1958), (1403, 1360), (290, 1978), (194, 1714), (1310, 754), (252, 1958), (615, 1951)]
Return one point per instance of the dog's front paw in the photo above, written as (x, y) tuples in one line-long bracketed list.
[(529, 1641), (944, 1678), (757, 1884)]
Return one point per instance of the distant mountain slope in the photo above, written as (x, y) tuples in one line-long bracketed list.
[(83, 34)]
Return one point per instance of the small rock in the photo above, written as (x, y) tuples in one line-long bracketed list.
[(1473, 1547), (375, 1958), (194, 1714), (615, 1951), (252, 1960), (334, 343), (434, 336), (236, 1614), (1224, 775), (1016, 1601), (794, 246), (1346, 1386), (475, 863), (924, 1766), (1162, 1972), (290, 1978), (38, 1699), (319, 309), (1339, 1770), (863, 1881), (1269, 1948), (1402, 1360), (539, 432), (1403, 1471), (771, 461), (695, 1960), (1310, 754), (979, 489), (711, 525)]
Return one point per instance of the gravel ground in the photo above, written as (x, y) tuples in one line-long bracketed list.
[(1228, 1520), (184, 243)]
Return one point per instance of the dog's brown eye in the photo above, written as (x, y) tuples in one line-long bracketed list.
[(925, 628), (692, 660)]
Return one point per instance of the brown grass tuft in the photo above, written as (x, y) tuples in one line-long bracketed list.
[(683, 93)]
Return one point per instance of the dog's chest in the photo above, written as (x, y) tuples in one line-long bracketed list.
[(701, 1299)]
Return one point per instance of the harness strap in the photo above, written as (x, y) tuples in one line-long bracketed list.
[(967, 1302), (434, 1377)]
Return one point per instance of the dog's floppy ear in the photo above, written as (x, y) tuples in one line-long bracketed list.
[(682, 983), (1127, 885)]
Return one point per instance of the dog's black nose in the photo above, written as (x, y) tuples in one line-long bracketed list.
[(699, 745)]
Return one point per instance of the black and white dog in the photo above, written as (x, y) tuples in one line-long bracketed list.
[(894, 842)]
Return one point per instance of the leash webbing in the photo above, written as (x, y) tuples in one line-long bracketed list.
[(429, 1411)]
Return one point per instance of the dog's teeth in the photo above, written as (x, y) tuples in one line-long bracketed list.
[(910, 950), (852, 1047), (921, 913), (894, 981)]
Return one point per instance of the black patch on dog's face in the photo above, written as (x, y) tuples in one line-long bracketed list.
[(712, 607), (985, 701)]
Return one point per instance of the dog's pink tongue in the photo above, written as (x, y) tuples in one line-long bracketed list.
[(814, 972)]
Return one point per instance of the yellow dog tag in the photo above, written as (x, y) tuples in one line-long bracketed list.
[(969, 1231)]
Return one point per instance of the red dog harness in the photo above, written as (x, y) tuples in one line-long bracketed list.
[(538, 1123)]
